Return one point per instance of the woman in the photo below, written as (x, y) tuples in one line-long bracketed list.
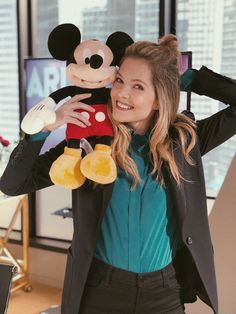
[(142, 244)]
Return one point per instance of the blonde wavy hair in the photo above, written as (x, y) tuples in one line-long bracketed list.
[(163, 58)]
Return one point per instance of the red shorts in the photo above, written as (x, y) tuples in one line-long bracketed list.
[(100, 124)]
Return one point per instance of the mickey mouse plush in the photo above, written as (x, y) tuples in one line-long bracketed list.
[(91, 66)]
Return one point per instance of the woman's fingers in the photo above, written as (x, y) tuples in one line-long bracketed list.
[(79, 97), (76, 122), (67, 114), (80, 105), (74, 103), (80, 117)]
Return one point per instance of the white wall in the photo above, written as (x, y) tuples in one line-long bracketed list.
[(223, 230)]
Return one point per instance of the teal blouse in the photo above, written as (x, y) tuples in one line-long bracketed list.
[(139, 232)]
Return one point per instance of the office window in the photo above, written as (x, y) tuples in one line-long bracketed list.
[(95, 19), (208, 29), (9, 89)]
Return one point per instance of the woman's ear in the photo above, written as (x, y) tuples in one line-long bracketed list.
[(156, 105)]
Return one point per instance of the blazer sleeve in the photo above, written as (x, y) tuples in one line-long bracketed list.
[(26, 171), (216, 129)]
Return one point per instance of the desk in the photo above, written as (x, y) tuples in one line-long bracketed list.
[(21, 278)]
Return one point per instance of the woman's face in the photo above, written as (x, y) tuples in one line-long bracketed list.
[(133, 95)]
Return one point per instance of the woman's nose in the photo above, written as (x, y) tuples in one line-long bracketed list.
[(124, 92)]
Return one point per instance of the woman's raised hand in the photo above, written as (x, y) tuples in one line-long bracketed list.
[(67, 114)]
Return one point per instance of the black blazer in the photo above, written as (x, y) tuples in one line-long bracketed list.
[(26, 172)]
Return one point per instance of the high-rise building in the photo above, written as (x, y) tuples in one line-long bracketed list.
[(208, 29), (94, 23), (9, 85), (147, 20), (138, 18), (196, 30), (47, 19), (100, 22)]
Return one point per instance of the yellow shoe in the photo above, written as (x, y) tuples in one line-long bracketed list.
[(65, 171), (99, 165)]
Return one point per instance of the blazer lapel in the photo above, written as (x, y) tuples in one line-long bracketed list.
[(107, 191), (176, 194)]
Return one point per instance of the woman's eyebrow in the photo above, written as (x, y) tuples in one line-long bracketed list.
[(133, 80), (138, 80)]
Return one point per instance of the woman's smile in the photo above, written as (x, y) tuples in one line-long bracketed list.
[(122, 106)]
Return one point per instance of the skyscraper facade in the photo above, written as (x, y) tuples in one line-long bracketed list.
[(46, 20), (9, 85), (147, 20), (138, 18), (208, 29)]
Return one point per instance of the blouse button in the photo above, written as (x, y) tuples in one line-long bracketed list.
[(189, 240)]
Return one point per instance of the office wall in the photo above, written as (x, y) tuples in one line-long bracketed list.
[(223, 230)]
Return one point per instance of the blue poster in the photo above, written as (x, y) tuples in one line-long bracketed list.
[(42, 77)]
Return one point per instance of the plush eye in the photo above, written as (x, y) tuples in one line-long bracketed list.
[(101, 53), (87, 55)]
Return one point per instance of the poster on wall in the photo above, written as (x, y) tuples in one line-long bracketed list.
[(42, 77)]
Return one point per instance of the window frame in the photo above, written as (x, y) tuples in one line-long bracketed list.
[(26, 13)]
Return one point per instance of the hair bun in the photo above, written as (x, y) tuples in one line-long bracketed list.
[(169, 42)]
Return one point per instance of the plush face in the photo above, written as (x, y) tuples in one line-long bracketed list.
[(92, 68)]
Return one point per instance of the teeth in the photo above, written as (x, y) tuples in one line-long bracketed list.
[(123, 106)]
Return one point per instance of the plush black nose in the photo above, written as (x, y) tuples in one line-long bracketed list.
[(96, 61)]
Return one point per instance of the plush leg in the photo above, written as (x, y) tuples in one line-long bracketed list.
[(65, 171), (99, 165)]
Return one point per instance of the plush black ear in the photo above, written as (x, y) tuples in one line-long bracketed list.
[(118, 42), (63, 40)]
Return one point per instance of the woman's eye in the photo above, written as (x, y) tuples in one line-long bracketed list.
[(118, 80), (138, 86)]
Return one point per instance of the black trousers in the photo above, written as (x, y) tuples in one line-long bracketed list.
[(111, 290)]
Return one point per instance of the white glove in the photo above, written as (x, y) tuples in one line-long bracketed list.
[(39, 116)]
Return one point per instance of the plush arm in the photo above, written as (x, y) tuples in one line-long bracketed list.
[(43, 113)]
